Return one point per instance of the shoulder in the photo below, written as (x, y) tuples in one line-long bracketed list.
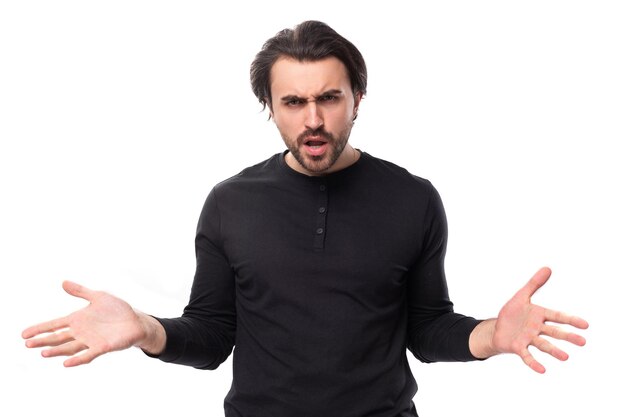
[(251, 176), (396, 176), (239, 189)]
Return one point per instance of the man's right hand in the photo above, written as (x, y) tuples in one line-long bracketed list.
[(107, 324)]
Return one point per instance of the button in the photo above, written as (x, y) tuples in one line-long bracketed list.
[(319, 231), (322, 210), (322, 187)]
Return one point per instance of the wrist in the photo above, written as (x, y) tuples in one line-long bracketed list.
[(153, 339), (481, 340)]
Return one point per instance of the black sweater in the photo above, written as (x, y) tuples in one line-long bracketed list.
[(321, 284)]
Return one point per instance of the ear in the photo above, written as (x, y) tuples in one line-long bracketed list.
[(268, 104), (357, 100)]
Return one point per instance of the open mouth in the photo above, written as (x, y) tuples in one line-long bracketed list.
[(315, 143), (315, 146)]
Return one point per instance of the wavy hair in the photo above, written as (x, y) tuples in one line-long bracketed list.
[(309, 41)]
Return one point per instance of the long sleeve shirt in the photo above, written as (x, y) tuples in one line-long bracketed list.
[(321, 284)]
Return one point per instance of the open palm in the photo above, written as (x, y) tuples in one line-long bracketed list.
[(107, 324), (521, 324)]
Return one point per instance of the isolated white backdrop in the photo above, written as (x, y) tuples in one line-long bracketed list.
[(116, 119)]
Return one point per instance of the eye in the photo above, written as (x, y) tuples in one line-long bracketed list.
[(293, 102), (327, 98)]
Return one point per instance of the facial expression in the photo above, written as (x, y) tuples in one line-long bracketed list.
[(314, 107)]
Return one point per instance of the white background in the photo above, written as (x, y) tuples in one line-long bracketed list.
[(117, 117)]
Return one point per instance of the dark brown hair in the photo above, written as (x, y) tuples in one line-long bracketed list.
[(309, 41)]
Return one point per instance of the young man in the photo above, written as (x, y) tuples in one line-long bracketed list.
[(320, 265)]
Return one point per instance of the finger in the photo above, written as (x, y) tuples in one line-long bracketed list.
[(562, 318), (536, 282), (561, 334), (78, 290), (54, 339), (53, 325), (532, 363), (547, 347), (45, 327), (67, 349), (84, 358)]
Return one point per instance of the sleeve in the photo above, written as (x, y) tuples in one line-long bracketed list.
[(204, 336), (435, 332)]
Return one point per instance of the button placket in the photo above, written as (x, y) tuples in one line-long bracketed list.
[(320, 226)]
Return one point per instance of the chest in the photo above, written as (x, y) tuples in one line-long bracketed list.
[(322, 241)]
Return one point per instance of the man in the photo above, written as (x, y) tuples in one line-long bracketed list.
[(320, 265)]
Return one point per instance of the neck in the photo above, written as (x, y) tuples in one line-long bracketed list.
[(348, 157)]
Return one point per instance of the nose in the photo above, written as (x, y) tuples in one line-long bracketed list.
[(314, 119)]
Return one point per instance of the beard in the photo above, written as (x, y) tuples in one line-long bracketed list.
[(313, 163)]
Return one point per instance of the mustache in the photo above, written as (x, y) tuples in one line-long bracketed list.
[(304, 136)]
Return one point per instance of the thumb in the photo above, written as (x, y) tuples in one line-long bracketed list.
[(537, 281), (78, 290)]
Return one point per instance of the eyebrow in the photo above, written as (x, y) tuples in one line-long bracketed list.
[(333, 92)]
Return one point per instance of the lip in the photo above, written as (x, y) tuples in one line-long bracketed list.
[(315, 138), (315, 145)]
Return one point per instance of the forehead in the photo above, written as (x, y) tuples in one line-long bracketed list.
[(305, 78)]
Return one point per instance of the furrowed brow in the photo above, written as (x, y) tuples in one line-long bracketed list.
[(293, 97), (333, 92)]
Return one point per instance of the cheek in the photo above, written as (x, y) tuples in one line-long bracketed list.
[(341, 118), (286, 125)]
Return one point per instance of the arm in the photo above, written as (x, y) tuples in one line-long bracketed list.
[(521, 324), (203, 337), (107, 324), (435, 331)]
